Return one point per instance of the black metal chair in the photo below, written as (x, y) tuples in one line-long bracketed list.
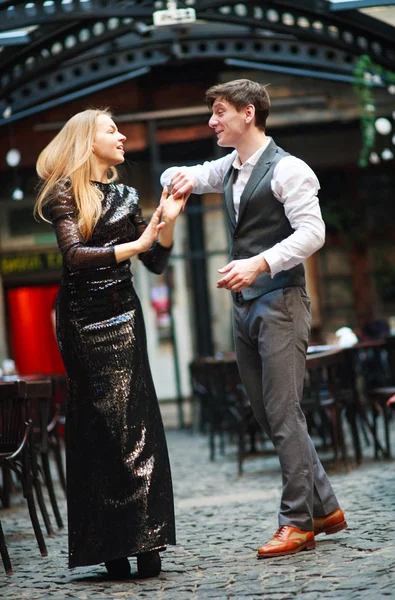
[(329, 394), (373, 366), (16, 453), (40, 394), (56, 420), (227, 410), (200, 393)]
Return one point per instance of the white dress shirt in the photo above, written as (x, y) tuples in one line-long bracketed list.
[(294, 184)]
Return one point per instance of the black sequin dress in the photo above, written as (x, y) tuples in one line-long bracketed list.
[(119, 490)]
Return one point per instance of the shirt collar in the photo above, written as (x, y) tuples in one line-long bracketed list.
[(253, 159)]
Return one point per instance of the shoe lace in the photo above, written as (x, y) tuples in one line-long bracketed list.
[(279, 535)]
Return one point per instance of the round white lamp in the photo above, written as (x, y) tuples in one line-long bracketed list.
[(387, 154), (383, 126), (13, 157), (374, 158), (17, 194)]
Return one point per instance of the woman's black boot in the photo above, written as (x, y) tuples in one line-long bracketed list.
[(118, 568), (149, 564)]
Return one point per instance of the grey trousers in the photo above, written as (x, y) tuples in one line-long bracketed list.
[(271, 338)]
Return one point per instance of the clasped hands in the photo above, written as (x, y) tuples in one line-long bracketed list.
[(167, 211), (164, 217), (170, 206)]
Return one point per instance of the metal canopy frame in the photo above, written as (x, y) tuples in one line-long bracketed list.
[(76, 46)]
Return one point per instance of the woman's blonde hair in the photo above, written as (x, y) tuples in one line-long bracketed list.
[(68, 159)]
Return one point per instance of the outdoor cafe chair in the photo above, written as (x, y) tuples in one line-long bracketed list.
[(329, 395), (200, 393), (40, 394), (373, 367), (55, 421), (227, 411), (15, 453)]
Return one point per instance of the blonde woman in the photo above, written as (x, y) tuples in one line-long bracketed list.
[(119, 490)]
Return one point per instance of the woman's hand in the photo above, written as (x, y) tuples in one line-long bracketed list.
[(171, 207), (182, 184), (152, 230)]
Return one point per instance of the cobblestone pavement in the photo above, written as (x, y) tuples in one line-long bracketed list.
[(221, 520)]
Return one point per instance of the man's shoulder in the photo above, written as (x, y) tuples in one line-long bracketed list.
[(286, 159), (290, 165)]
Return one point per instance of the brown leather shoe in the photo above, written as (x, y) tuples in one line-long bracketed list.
[(331, 523), (287, 540)]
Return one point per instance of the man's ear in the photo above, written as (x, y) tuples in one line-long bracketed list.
[(249, 113)]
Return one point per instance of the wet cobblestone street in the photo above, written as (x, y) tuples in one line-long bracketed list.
[(221, 521)]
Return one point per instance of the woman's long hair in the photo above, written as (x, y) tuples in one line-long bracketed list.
[(68, 160)]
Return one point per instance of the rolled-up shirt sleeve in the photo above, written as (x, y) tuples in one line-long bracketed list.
[(209, 176), (77, 254), (296, 186)]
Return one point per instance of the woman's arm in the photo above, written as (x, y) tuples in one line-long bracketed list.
[(157, 257), (76, 253)]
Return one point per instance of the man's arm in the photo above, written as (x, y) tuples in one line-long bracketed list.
[(199, 179), (296, 186)]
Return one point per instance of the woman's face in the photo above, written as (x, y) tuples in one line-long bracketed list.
[(108, 145)]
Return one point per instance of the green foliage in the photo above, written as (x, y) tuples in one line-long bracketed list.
[(366, 73)]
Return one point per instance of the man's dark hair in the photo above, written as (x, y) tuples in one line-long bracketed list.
[(241, 92)]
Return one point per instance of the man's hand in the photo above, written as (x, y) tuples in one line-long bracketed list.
[(182, 184), (241, 273)]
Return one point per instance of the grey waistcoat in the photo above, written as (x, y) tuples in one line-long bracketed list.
[(261, 223)]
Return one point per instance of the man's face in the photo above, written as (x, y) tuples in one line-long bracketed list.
[(228, 123)]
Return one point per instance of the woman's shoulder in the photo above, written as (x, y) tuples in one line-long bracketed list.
[(61, 200), (62, 191)]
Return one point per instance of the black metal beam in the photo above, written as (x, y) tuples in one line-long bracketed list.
[(40, 57), (69, 97), (92, 69), (356, 33), (17, 15), (81, 43), (296, 18), (247, 64)]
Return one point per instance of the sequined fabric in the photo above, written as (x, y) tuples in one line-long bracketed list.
[(120, 499)]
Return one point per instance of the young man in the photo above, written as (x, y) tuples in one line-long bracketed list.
[(275, 223)]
